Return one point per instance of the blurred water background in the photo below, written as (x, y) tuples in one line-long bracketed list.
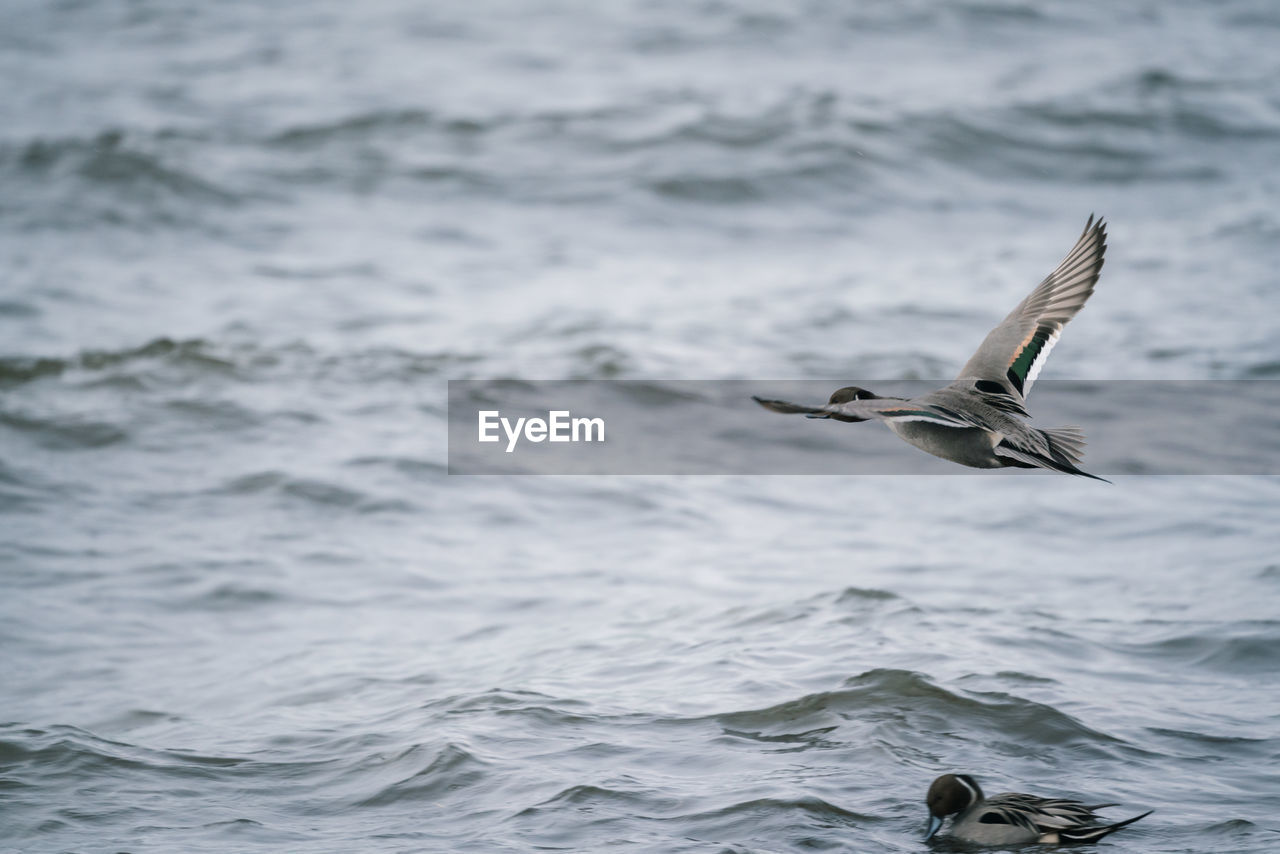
[(243, 607)]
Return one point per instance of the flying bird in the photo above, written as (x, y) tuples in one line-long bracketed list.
[(979, 419)]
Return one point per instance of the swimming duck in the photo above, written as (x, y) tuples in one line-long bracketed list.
[(1012, 819), (978, 419)]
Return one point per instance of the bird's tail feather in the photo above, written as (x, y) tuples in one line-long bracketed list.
[(1066, 443), (1093, 834), (1030, 459)]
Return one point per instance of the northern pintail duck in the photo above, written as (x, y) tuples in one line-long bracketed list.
[(978, 420), (1012, 819)]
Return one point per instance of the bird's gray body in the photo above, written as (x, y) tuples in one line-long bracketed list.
[(968, 827), (968, 446), (975, 445)]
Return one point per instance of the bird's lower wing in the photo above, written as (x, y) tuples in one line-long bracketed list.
[(863, 410)]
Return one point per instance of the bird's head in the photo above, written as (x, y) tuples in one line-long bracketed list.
[(950, 794), (844, 395), (851, 392)]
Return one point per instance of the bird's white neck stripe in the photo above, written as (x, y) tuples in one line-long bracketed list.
[(973, 796)]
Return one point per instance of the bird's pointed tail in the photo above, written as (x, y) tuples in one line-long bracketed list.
[(1030, 459), (1093, 834)]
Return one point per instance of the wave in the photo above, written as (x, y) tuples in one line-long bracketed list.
[(359, 126), (318, 493), (447, 772), (812, 807), (167, 362), (909, 702), (513, 702), (853, 605), (233, 597), (65, 432), (628, 800), (1148, 124), (807, 147), (1240, 648), (198, 353), (75, 753), (116, 179)]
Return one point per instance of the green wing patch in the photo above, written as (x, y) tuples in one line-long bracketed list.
[(1027, 357)]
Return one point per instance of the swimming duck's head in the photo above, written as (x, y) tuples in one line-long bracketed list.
[(950, 794)]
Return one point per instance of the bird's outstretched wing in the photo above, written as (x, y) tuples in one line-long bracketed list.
[(1014, 352)]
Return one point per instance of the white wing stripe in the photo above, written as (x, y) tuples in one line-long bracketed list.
[(1040, 359)]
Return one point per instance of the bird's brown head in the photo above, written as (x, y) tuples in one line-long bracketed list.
[(851, 392), (952, 793), (846, 394)]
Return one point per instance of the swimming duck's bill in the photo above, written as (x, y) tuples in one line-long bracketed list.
[(935, 823)]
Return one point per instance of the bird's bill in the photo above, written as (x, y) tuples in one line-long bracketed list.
[(934, 824)]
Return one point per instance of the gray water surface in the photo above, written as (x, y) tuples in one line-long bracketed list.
[(243, 248)]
